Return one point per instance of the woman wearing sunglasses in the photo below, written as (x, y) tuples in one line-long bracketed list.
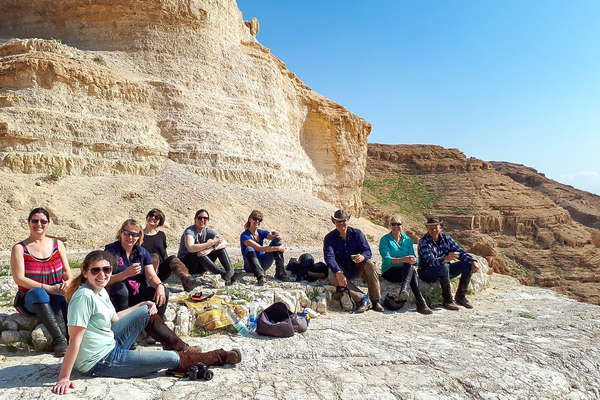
[(134, 279), (155, 242), (101, 337), (40, 268), (200, 246), (399, 261), (258, 257)]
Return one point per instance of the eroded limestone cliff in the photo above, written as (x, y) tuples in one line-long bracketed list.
[(521, 231), (100, 88)]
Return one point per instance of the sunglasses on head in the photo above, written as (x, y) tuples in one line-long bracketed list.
[(257, 219), (396, 224), (96, 270), (39, 221), (201, 217), (341, 221), (132, 234)]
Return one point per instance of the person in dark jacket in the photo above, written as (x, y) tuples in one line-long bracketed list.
[(441, 258), (347, 255)]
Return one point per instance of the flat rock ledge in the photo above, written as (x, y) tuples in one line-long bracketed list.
[(518, 342)]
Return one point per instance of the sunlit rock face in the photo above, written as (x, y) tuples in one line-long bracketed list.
[(109, 88)]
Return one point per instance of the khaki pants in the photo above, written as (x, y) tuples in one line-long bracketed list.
[(368, 272)]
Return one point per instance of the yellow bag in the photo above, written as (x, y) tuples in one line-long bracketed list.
[(211, 314)]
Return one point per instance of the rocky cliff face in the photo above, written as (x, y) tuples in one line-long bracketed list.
[(583, 206), (108, 88), (521, 231)]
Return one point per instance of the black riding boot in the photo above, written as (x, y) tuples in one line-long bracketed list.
[(280, 272), (403, 293), (461, 292), (448, 301), (421, 304), (256, 268), (44, 313)]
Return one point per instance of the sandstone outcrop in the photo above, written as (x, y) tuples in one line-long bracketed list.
[(103, 88), (583, 206), (520, 231)]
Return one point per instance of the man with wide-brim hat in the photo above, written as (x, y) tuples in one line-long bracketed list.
[(441, 258), (347, 255)]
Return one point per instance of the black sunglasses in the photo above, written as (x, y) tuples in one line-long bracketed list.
[(38, 221), (396, 224), (132, 234), (96, 270), (201, 217), (257, 219), (154, 216)]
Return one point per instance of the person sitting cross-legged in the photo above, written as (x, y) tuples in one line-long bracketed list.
[(347, 254), (437, 251)]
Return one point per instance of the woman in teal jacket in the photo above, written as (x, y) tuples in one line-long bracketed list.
[(399, 261)]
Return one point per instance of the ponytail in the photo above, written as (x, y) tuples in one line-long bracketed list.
[(73, 286)]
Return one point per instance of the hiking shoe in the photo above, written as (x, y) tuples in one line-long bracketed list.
[(261, 281), (450, 306), (377, 306), (364, 305)]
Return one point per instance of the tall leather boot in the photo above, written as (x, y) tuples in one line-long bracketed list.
[(448, 301), (210, 358), (256, 268), (403, 293), (157, 329), (45, 314), (179, 269), (421, 304), (280, 272), (461, 292)]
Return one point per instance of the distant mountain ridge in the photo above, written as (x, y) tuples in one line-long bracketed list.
[(536, 234)]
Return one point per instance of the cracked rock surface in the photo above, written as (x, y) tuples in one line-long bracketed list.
[(518, 342)]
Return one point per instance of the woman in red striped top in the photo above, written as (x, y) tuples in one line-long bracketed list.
[(40, 268)]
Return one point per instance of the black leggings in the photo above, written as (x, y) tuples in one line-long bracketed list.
[(398, 274), (199, 265)]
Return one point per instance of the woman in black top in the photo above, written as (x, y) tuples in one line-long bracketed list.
[(155, 242)]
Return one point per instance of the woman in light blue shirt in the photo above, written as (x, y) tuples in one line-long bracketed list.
[(100, 337), (398, 261)]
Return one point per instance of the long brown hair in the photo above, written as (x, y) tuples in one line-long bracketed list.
[(253, 214), (131, 222), (90, 259)]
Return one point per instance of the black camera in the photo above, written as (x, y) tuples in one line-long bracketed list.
[(198, 371)]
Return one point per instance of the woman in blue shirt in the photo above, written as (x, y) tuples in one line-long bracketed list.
[(398, 261), (258, 257)]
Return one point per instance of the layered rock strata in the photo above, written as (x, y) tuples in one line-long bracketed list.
[(103, 88), (520, 231)]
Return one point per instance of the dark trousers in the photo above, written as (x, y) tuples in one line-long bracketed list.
[(199, 265), (451, 270), (397, 274), (122, 298)]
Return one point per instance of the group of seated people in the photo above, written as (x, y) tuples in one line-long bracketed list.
[(103, 324)]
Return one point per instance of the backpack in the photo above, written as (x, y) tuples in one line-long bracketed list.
[(277, 321)]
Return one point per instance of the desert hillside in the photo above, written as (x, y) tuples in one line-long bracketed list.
[(523, 232)]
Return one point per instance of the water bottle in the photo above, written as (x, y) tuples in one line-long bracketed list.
[(253, 315), (237, 322)]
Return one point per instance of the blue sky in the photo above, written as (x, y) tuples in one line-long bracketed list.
[(506, 80)]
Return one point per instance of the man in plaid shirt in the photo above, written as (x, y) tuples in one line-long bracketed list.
[(441, 258)]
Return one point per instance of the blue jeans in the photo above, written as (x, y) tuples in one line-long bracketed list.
[(451, 270), (38, 295), (124, 363), (265, 260)]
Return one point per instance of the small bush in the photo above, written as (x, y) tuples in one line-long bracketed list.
[(433, 295), (99, 60), (4, 270), (526, 315), (56, 174)]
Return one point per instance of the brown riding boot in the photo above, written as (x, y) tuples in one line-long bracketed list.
[(157, 329), (179, 269), (210, 358)]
